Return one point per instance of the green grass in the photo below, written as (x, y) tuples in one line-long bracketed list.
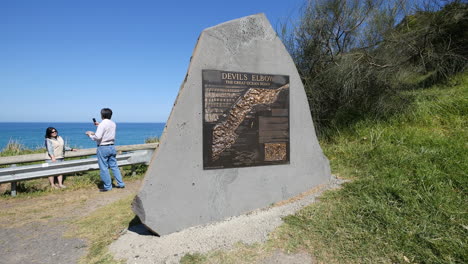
[(152, 140), (407, 200), (102, 227), (14, 147)]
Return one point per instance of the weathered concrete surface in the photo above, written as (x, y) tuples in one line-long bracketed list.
[(177, 193)]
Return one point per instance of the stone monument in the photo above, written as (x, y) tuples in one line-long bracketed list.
[(240, 135)]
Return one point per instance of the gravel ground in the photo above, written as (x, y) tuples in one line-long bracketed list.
[(138, 246), (39, 243)]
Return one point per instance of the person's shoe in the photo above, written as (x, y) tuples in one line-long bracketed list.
[(63, 186), (120, 187), (103, 190)]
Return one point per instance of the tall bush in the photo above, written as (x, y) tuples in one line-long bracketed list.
[(355, 56)]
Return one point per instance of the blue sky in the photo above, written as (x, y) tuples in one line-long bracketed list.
[(63, 61)]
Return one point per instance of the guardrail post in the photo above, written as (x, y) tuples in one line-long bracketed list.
[(133, 169), (13, 189), (13, 185)]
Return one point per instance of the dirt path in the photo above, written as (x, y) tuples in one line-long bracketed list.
[(32, 228)]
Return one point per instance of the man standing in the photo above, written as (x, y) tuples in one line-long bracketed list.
[(106, 153)]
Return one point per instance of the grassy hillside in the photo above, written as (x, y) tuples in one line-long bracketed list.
[(407, 201)]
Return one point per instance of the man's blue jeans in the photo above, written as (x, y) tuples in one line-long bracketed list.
[(106, 159)]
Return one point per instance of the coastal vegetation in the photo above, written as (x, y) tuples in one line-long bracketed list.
[(152, 140), (355, 58), (388, 90), (14, 147)]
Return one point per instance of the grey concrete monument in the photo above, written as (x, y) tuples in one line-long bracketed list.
[(240, 135)]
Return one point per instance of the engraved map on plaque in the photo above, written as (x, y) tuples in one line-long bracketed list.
[(245, 119)]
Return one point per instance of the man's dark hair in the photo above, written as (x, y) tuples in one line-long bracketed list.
[(106, 113)]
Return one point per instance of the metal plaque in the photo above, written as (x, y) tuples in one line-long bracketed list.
[(245, 119)]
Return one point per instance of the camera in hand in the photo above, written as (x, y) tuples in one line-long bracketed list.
[(94, 120)]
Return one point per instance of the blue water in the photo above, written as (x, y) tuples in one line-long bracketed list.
[(31, 135)]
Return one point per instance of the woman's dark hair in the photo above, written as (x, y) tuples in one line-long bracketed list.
[(48, 133), (106, 113)]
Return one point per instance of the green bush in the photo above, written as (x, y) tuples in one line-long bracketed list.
[(355, 57)]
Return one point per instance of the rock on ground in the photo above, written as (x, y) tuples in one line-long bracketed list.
[(138, 246)]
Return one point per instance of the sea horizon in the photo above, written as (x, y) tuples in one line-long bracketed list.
[(31, 134)]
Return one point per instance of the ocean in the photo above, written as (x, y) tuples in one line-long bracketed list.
[(31, 135)]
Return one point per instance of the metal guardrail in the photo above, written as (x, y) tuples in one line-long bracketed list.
[(130, 155)]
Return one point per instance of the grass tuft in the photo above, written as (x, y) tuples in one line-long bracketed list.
[(192, 258), (14, 148), (152, 140), (101, 228)]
